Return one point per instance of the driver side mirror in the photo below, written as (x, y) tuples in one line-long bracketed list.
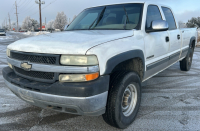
[(158, 25)]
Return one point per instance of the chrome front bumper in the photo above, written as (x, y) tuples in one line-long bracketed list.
[(91, 106)]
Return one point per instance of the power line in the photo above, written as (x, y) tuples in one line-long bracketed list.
[(25, 5), (44, 7), (31, 5), (28, 10), (19, 2)]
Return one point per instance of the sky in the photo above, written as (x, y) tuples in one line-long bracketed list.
[(183, 9)]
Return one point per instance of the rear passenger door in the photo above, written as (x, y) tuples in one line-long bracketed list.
[(156, 44), (174, 36)]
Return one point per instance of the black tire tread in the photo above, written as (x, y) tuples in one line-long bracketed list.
[(116, 82), (112, 96), (184, 62)]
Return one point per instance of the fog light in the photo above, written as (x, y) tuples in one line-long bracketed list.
[(78, 77), (10, 65)]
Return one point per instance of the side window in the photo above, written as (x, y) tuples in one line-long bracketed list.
[(169, 18), (153, 13)]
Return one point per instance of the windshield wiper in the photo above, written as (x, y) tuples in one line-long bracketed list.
[(98, 18), (126, 18)]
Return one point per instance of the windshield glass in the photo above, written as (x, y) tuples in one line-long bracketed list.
[(1, 30), (112, 17)]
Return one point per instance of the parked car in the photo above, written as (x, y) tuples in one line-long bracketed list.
[(97, 66), (2, 32), (23, 30)]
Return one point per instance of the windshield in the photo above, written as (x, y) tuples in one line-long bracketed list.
[(1, 30), (112, 17)]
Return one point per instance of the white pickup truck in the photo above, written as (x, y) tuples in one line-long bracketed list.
[(97, 66)]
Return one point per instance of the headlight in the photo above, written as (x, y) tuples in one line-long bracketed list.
[(78, 77), (8, 52), (78, 60)]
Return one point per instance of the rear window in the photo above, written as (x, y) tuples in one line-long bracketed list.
[(1, 30)]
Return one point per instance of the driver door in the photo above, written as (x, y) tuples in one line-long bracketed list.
[(156, 44)]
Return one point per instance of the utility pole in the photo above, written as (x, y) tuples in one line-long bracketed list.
[(16, 15), (6, 23), (40, 12), (45, 21), (9, 21)]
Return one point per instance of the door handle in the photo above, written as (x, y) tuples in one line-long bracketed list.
[(167, 39), (178, 37)]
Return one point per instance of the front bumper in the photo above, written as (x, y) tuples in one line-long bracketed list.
[(2, 33), (81, 103)]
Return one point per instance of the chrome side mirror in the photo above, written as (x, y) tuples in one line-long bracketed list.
[(158, 25)]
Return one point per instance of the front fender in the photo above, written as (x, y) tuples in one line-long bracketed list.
[(114, 61)]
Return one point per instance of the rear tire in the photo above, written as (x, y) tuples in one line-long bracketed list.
[(123, 100), (186, 63)]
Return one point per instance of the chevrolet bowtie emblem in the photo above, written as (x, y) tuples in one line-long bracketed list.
[(26, 66)]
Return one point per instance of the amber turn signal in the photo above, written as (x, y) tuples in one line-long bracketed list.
[(90, 77), (78, 77)]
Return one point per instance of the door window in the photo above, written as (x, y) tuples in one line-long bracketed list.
[(153, 13), (169, 18)]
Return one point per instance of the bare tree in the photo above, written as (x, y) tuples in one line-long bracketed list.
[(60, 21), (182, 24), (13, 25), (30, 24), (194, 22), (35, 24), (27, 23), (50, 24)]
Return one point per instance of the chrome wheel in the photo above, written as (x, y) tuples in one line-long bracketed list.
[(129, 100)]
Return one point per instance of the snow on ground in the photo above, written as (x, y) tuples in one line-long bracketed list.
[(13, 36), (8, 37), (36, 33)]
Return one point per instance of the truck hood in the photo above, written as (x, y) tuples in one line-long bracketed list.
[(69, 42)]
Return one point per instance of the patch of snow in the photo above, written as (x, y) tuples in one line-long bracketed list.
[(36, 33), (6, 105), (7, 37)]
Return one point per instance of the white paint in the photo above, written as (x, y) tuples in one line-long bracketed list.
[(108, 43), (69, 42)]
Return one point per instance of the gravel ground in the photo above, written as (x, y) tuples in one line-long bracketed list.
[(170, 101)]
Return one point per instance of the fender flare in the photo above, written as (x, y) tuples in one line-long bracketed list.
[(114, 61)]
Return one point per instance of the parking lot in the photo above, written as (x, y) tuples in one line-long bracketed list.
[(170, 101)]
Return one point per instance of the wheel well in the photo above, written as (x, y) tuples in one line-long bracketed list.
[(193, 43), (135, 65)]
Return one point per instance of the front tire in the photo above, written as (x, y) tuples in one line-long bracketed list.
[(186, 63), (123, 100)]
